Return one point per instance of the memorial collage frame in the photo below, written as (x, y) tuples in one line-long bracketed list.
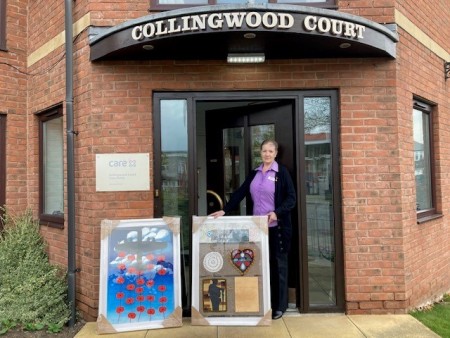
[(140, 274)]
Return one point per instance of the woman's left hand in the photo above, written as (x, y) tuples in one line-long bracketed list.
[(272, 216)]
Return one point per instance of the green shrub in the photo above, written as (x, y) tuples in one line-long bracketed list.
[(33, 292)]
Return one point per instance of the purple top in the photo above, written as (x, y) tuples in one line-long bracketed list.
[(262, 190)]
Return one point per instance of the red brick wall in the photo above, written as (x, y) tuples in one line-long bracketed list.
[(13, 87), (420, 73), (113, 113), (381, 11)]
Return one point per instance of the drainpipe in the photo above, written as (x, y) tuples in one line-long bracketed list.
[(71, 266)]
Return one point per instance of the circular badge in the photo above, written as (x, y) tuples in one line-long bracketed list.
[(213, 261)]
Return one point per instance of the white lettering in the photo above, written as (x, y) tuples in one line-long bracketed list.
[(215, 21), (333, 26), (267, 20), (234, 19), (149, 30), (253, 19), (136, 33), (286, 20), (172, 27), (324, 25)]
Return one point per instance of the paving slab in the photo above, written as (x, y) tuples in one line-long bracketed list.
[(276, 330), (391, 326), (321, 326), (292, 325)]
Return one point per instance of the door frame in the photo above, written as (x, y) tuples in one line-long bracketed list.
[(192, 99)]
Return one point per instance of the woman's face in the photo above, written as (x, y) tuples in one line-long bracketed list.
[(268, 153)]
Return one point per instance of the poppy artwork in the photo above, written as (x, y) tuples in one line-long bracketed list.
[(139, 275)]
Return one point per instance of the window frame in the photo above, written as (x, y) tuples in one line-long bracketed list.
[(2, 25), (430, 213), (156, 7), (47, 219)]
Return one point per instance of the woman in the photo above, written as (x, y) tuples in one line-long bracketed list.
[(273, 194)]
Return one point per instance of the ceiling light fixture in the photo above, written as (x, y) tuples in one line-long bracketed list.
[(345, 45), (246, 58), (249, 35), (148, 47)]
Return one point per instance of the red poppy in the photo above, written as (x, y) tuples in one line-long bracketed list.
[(140, 308), (161, 288), (162, 309), (130, 287), (140, 298), (120, 295), (140, 281), (129, 300), (150, 266), (120, 280), (161, 258), (150, 283), (120, 309), (121, 254), (163, 299), (151, 311), (131, 315), (150, 257), (132, 271), (150, 298), (139, 289), (162, 272), (130, 258), (121, 266)]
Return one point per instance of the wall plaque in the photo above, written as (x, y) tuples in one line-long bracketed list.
[(122, 172)]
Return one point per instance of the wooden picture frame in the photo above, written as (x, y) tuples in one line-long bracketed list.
[(230, 271), (139, 275)]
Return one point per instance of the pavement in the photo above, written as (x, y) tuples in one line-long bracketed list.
[(291, 325)]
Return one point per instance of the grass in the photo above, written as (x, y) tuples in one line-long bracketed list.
[(436, 317)]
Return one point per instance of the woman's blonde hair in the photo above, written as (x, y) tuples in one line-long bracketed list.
[(275, 143)]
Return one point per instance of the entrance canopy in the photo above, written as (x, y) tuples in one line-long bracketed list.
[(214, 32)]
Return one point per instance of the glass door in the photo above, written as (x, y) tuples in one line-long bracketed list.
[(206, 143)]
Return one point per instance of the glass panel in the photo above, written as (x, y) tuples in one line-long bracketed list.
[(234, 165), (257, 135), (174, 175), (319, 204), (53, 164), (422, 160), (174, 164)]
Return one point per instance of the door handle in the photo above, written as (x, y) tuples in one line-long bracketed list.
[(216, 195)]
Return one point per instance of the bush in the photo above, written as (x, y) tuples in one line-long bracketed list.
[(33, 293)]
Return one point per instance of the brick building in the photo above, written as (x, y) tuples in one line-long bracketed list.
[(356, 92)]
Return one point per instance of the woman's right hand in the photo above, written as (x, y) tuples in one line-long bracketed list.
[(217, 213)]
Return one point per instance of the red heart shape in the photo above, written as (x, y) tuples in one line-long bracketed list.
[(242, 259)]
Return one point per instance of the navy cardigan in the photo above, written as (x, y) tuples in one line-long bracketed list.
[(285, 200)]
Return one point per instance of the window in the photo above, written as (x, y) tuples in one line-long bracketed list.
[(423, 159), (171, 4), (51, 168), (2, 24)]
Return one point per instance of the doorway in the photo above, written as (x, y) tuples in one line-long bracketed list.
[(206, 143)]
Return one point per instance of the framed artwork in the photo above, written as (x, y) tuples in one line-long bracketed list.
[(230, 271), (139, 275)]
